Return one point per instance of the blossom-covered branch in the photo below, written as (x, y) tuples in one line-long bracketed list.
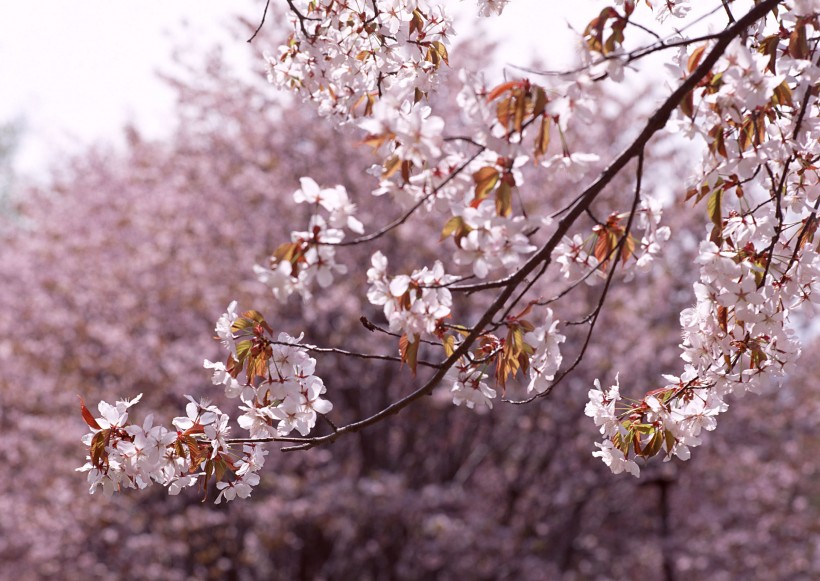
[(375, 66)]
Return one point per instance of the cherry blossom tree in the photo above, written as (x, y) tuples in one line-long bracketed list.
[(747, 93), (128, 306)]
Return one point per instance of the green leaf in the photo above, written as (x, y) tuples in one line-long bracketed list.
[(243, 349), (540, 101)]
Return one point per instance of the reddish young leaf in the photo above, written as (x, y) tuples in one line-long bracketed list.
[(687, 105), (503, 199), (628, 249), (540, 100), (502, 88), (99, 457), (87, 416), (798, 42), (783, 95)]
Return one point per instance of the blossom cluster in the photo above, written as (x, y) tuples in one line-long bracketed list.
[(757, 265), (587, 257), (468, 386), (735, 340), (311, 254), (535, 350), (346, 55), (546, 358), (273, 378), (414, 304), (125, 455), (490, 242)]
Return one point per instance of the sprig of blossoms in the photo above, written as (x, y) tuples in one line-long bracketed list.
[(124, 455), (490, 242), (535, 351), (757, 110), (414, 304), (273, 376), (589, 257), (311, 255), (735, 340), (345, 56), (757, 265), (275, 381)]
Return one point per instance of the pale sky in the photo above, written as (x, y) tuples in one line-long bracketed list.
[(76, 72)]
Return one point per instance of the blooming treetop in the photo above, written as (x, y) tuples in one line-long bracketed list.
[(748, 94)]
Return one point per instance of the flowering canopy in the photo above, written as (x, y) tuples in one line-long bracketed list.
[(747, 94)]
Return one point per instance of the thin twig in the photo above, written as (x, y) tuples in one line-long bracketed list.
[(637, 53), (406, 216), (356, 355), (258, 28), (372, 327)]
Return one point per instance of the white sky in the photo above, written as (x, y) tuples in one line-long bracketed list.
[(76, 72)]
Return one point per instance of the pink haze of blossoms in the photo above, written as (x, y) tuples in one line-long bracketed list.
[(748, 93)]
